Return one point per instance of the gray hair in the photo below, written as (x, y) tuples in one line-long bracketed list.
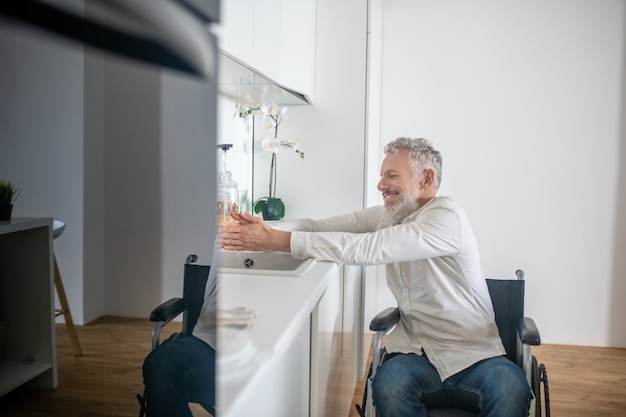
[(422, 155)]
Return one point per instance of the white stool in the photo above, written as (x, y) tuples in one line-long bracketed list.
[(57, 228)]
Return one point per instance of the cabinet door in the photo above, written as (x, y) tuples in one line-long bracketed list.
[(336, 340), (267, 38), (352, 328), (326, 347), (236, 30), (281, 388), (275, 37), (297, 47)]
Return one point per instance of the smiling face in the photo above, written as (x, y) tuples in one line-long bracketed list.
[(402, 192), (396, 178)]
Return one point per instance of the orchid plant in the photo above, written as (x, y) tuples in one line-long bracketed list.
[(272, 115)]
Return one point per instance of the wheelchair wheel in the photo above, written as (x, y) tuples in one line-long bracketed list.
[(543, 377), (536, 386)]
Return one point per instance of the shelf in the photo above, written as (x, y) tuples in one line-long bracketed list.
[(13, 373), (27, 304)]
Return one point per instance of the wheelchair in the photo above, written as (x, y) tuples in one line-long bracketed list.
[(189, 305), (518, 334)]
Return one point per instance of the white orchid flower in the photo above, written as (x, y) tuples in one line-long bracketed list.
[(272, 109), (273, 116), (271, 144), (270, 123), (247, 108)]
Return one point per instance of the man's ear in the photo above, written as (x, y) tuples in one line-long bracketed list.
[(429, 178)]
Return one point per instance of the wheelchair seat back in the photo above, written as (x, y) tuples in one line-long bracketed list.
[(194, 283), (507, 297)]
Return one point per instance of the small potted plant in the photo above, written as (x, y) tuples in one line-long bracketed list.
[(271, 206), (8, 195)]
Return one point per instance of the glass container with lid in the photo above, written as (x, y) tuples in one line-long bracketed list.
[(227, 190)]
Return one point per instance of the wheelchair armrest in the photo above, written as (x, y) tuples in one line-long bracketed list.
[(385, 320), (168, 310), (528, 332)]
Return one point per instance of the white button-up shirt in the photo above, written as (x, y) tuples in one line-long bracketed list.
[(433, 270)]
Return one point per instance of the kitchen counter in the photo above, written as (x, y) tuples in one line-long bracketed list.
[(250, 360)]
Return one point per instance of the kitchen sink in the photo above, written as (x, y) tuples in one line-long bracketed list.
[(263, 263)]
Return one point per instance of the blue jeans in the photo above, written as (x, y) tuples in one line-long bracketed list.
[(179, 372), (405, 384)]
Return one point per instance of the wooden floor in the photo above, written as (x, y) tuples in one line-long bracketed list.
[(583, 381), (101, 383)]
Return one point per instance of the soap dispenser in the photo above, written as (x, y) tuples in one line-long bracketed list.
[(227, 190)]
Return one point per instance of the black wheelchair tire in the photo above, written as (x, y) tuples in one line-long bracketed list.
[(536, 382)]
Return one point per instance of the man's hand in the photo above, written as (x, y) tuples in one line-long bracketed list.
[(245, 218), (252, 233)]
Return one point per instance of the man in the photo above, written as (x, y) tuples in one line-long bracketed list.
[(445, 351)]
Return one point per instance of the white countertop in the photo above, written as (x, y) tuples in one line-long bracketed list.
[(282, 305)]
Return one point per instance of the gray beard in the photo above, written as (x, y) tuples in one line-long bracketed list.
[(404, 208)]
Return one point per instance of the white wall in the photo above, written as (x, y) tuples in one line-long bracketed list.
[(41, 138), (526, 102)]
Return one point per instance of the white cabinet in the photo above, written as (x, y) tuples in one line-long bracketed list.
[(275, 37), (297, 45), (326, 352), (28, 353), (236, 30), (305, 336), (335, 342)]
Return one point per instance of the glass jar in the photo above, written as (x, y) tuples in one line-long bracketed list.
[(227, 197)]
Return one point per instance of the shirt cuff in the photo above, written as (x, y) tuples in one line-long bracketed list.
[(298, 244)]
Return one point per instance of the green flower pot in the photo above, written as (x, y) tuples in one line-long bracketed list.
[(271, 208)]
